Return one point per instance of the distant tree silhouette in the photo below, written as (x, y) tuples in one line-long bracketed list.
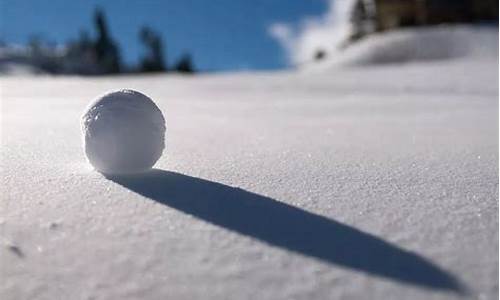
[(84, 39), (154, 60), (107, 53), (41, 54), (84, 44), (358, 17), (185, 65), (81, 56)]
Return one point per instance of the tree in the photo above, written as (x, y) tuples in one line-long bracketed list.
[(107, 52), (154, 60), (185, 65)]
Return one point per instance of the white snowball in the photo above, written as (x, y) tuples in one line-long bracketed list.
[(123, 132)]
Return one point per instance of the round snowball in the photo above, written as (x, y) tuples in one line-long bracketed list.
[(123, 133)]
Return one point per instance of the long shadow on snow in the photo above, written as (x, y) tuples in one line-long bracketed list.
[(288, 227)]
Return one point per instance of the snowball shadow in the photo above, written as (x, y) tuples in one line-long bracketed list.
[(288, 227)]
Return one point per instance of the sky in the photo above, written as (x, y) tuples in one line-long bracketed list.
[(219, 34)]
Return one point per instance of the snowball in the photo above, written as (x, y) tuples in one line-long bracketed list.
[(123, 132)]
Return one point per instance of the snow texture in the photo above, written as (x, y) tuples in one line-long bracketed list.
[(123, 132), (374, 182)]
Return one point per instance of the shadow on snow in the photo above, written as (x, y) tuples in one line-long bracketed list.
[(288, 227)]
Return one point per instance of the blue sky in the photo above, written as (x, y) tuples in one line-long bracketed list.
[(220, 34)]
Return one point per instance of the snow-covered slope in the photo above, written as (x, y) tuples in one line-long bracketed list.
[(356, 183), (444, 42)]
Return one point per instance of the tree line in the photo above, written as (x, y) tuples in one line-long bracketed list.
[(106, 52)]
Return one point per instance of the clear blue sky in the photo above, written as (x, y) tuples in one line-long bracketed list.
[(220, 34)]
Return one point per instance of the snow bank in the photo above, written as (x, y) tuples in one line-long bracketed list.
[(430, 43)]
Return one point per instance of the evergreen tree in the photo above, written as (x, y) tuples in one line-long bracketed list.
[(154, 61), (185, 64), (107, 52)]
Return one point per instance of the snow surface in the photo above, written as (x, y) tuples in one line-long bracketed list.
[(353, 183)]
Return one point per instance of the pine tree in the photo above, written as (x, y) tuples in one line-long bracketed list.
[(154, 61), (107, 53)]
